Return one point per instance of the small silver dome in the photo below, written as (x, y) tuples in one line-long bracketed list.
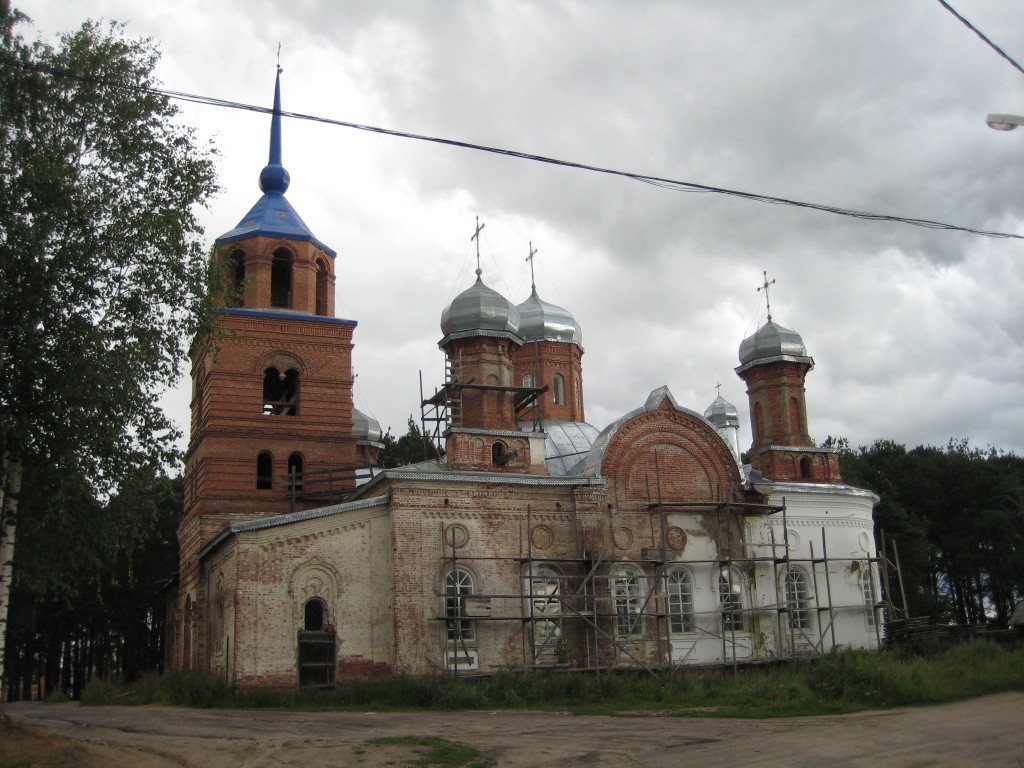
[(365, 427), (479, 308), (541, 321), (722, 413), (773, 342)]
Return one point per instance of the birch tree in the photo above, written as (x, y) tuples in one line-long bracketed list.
[(102, 273)]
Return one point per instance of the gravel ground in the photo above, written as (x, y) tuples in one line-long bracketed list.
[(987, 731)]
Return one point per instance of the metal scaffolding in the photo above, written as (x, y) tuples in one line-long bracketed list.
[(576, 598)]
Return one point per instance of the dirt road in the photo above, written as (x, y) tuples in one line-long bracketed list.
[(982, 732)]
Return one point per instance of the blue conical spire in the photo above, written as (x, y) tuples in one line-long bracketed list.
[(274, 177), (273, 215)]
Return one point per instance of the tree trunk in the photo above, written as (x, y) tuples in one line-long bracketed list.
[(10, 490)]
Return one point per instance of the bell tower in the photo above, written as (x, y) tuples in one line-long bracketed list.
[(271, 385)]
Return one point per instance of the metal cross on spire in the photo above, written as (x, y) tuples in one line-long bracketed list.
[(476, 236), (279, 70), (764, 287), (718, 388), (533, 283)]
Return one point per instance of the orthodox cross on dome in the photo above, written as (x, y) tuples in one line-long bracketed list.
[(764, 287), (533, 252), (476, 236), (718, 388)]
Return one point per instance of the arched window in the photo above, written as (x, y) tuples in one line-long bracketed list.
[(679, 588), (805, 468), (528, 380), (798, 598), (458, 584), (314, 615), (295, 471), (280, 392), (281, 279), (544, 589), (264, 471), (867, 589), (559, 387), (498, 451), (794, 417), (321, 288), (236, 298), (730, 596), (627, 587)]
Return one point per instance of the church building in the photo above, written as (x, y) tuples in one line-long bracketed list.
[(535, 541)]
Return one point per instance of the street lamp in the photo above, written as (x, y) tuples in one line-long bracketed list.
[(1004, 122)]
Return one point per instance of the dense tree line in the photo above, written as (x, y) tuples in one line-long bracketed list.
[(89, 592), (956, 515)]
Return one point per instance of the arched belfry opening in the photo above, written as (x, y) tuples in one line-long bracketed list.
[(321, 288), (281, 279), (236, 276), (280, 392)]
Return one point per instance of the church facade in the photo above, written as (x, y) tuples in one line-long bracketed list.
[(536, 541)]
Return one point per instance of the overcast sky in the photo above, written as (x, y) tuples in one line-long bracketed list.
[(917, 335)]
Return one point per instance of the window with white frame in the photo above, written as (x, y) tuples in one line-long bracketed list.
[(627, 588), (528, 380), (730, 596), (458, 585), (545, 609), (798, 598), (679, 589)]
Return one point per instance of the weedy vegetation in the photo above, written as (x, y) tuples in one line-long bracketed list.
[(846, 681)]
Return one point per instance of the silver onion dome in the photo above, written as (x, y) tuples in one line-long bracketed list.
[(479, 309), (365, 427), (773, 342), (721, 413), (541, 321)]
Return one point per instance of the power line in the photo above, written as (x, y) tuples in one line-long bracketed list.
[(664, 183), (980, 34)]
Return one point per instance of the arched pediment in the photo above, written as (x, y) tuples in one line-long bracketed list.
[(663, 445), (314, 578)]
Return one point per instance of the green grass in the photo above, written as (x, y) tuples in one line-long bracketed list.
[(846, 681)]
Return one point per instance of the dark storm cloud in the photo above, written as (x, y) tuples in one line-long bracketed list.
[(876, 106)]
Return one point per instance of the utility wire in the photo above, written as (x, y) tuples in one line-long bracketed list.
[(980, 34), (670, 184)]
